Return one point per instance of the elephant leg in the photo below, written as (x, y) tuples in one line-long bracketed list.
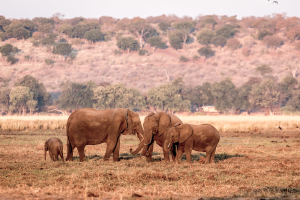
[(81, 153), (61, 156), (173, 152), (188, 154), (209, 152), (111, 145), (70, 150), (166, 156), (150, 151), (56, 157), (180, 151), (212, 157), (51, 155), (116, 152)]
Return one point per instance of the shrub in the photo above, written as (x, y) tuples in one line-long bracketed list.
[(219, 41), (128, 43), (94, 35), (117, 52), (76, 41), (2, 36), (272, 41), (27, 57), (49, 61), (11, 59), (35, 43), (183, 59), (205, 36), (164, 25), (37, 35), (264, 69), (156, 42), (7, 49), (206, 52), (62, 49), (196, 57), (233, 44), (263, 33), (142, 52)]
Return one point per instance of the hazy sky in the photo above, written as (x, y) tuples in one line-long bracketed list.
[(144, 8)]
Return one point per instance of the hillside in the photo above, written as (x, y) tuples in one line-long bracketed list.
[(98, 61)]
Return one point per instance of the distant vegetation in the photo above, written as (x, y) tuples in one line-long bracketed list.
[(160, 63)]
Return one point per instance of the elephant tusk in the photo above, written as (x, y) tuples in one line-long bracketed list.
[(148, 143), (141, 135), (169, 145)]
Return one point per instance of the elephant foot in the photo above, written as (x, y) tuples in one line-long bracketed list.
[(116, 160)]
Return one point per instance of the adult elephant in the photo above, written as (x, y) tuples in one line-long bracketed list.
[(90, 127), (155, 128)]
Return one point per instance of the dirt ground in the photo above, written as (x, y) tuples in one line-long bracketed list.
[(248, 165)]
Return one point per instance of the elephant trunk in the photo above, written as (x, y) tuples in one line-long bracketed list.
[(141, 145), (140, 132)]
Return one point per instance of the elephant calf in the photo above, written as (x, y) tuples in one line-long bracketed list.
[(55, 148), (203, 138)]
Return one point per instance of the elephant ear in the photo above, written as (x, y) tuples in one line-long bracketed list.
[(151, 114), (185, 132), (164, 122)]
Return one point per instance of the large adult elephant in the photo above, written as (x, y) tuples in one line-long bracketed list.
[(155, 128), (90, 127)]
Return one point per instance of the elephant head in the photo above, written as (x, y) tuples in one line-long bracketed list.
[(179, 133), (134, 124), (154, 123)]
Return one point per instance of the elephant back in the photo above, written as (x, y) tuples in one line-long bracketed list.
[(175, 120)]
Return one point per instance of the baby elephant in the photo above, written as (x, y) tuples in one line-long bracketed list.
[(55, 147), (203, 138)]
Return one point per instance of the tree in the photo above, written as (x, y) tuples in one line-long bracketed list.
[(4, 100), (66, 29), (38, 90), (167, 98), (205, 36), (63, 49), (264, 69), (219, 40), (78, 30), (242, 99), (233, 44), (32, 105), (286, 89), (293, 69), (206, 52), (11, 59), (209, 19), (94, 35), (76, 95), (6, 49), (227, 31), (224, 94), (273, 41), (19, 97), (117, 96), (140, 29), (175, 40), (156, 42), (263, 33), (264, 95), (185, 27), (164, 25), (128, 43), (49, 39), (294, 33), (37, 35), (21, 33), (293, 103)]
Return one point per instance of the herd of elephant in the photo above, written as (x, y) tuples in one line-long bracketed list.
[(90, 127)]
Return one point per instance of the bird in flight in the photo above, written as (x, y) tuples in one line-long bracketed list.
[(279, 127), (275, 2)]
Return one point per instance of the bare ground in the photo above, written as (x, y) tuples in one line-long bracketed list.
[(249, 164)]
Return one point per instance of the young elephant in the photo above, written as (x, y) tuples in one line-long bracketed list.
[(203, 138), (55, 148)]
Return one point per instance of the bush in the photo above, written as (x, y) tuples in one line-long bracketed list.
[(156, 42), (206, 52), (37, 35), (7, 49), (128, 43), (263, 33), (94, 35), (35, 43), (49, 61), (76, 41), (164, 26), (227, 31), (142, 52), (196, 57), (62, 49), (219, 41), (117, 52), (233, 44), (245, 51), (11, 59), (264, 69), (273, 41), (27, 57), (205, 36), (183, 59)]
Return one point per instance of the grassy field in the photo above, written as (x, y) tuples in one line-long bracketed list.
[(233, 123), (262, 163)]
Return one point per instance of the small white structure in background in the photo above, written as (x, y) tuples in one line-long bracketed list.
[(209, 109)]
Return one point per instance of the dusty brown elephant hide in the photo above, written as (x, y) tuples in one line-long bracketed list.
[(91, 127), (55, 148), (203, 138), (155, 128)]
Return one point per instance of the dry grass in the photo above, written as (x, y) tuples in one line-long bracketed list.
[(264, 165), (222, 123)]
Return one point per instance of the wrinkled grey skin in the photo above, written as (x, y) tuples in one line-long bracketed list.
[(155, 129), (55, 148), (203, 138)]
